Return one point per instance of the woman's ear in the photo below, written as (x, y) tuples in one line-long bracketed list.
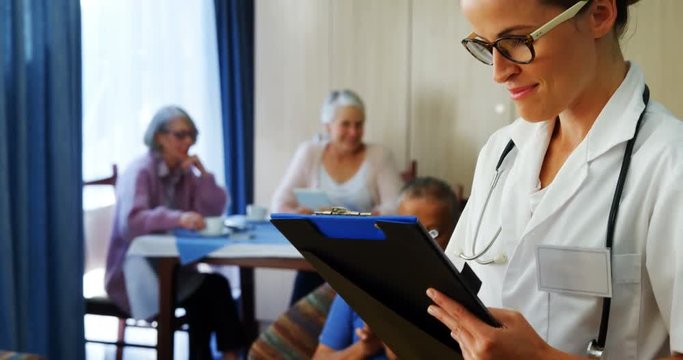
[(603, 15)]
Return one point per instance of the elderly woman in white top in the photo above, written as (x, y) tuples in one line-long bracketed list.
[(354, 174)]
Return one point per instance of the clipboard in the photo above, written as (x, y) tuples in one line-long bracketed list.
[(382, 266)]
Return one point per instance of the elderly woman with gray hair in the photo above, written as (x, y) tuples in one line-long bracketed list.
[(354, 174), (164, 189)]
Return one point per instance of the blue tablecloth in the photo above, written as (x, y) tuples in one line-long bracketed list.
[(193, 246)]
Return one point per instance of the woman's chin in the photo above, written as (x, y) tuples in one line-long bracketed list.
[(531, 113), (355, 147), (349, 147)]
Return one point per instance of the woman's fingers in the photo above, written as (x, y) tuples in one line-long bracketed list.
[(465, 328), (192, 220), (458, 314), (516, 338)]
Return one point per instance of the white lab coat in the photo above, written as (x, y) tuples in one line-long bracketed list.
[(646, 319)]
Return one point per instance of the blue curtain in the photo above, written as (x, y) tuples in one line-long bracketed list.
[(41, 226), (235, 33)]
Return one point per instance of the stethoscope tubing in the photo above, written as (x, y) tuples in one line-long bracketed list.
[(476, 256)]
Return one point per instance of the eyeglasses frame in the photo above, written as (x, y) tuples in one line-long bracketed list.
[(180, 135), (527, 40)]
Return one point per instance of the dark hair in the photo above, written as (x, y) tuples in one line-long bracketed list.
[(622, 11), (434, 188)]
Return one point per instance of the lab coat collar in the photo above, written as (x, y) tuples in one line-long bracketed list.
[(532, 141), (524, 132), (615, 124), (617, 120)]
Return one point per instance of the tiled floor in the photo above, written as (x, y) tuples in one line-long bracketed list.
[(104, 328)]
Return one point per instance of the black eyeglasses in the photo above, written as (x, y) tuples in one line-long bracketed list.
[(183, 134), (517, 48)]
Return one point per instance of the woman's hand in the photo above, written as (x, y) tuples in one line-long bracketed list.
[(304, 211), (478, 340), (191, 220), (193, 161)]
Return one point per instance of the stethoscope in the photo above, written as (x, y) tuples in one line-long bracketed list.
[(596, 346), (477, 256)]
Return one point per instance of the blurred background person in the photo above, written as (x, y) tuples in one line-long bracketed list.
[(164, 189), (354, 174), (345, 335)]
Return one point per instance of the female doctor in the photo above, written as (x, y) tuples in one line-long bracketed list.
[(579, 239)]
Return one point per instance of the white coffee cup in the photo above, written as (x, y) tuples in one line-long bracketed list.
[(256, 212), (214, 225)]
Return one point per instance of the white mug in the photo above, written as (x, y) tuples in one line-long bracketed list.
[(214, 225), (256, 213)]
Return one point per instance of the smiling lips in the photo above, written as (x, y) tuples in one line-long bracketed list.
[(521, 92)]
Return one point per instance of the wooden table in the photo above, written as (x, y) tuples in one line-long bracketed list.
[(246, 256)]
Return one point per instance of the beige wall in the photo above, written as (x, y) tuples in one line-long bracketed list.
[(426, 98), (654, 41)]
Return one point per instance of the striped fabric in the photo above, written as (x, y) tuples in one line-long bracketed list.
[(294, 334), (10, 355)]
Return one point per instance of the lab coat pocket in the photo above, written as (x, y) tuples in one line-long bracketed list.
[(574, 317), (574, 270), (625, 309)]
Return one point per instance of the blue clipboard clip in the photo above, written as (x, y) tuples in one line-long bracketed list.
[(341, 211)]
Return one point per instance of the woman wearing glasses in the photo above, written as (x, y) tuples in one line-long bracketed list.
[(165, 189), (574, 223)]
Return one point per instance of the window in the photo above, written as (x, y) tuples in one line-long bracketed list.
[(137, 57)]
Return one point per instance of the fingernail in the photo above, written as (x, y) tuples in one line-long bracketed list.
[(431, 309), (430, 293)]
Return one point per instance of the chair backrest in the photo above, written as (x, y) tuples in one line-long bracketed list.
[(111, 180), (410, 173), (98, 217)]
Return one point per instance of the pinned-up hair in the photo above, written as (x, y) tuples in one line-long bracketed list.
[(622, 11), (337, 99)]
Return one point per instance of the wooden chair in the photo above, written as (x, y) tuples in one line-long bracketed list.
[(111, 180), (410, 173), (104, 306)]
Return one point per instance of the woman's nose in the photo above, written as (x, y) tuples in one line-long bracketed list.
[(355, 131), (503, 68)]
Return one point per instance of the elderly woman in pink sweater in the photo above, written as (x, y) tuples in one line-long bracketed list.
[(164, 189), (354, 174)]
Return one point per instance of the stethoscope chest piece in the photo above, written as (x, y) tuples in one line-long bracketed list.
[(594, 351)]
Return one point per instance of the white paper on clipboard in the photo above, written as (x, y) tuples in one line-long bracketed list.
[(314, 199)]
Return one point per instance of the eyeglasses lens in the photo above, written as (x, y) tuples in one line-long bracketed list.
[(514, 49), (181, 135), (479, 51)]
